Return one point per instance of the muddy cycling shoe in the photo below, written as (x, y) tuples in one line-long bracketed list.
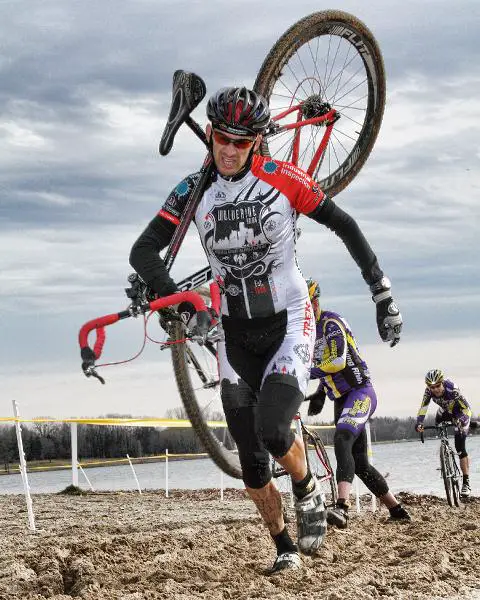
[(338, 517), (287, 560), (311, 521), (398, 513), (465, 491)]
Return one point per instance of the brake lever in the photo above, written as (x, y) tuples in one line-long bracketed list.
[(91, 371)]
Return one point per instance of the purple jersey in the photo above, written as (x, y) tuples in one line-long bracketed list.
[(336, 358), (452, 402)]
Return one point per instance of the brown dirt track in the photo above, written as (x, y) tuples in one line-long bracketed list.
[(112, 546)]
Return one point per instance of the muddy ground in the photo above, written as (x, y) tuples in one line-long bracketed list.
[(112, 546)]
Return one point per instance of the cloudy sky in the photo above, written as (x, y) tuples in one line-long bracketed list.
[(84, 97)]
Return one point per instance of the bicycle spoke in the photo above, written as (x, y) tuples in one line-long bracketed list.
[(339, 132), (341, 74), (307, 78), (332, 147), (337, 139), (350, 90), (328, 81), (299, 83), (315, 69)]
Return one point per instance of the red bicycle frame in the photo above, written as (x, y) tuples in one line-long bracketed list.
[(300, 427), (328, 119)]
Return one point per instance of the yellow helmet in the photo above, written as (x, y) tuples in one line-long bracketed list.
[(313, 289), (314, 293), (434, 376)]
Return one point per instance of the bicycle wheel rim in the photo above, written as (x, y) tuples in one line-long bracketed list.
[(191, 389), (447, 481), (456, 492), (351, 78), (455, 481)]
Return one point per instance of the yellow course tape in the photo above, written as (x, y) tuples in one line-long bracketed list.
[(146, 422)]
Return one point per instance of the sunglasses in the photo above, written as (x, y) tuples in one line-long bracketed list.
[(436, 386), (223, 140)]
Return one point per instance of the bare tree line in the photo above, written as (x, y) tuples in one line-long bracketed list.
[(51, 441)]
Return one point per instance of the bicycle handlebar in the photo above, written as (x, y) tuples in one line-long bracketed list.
[(442, 425), (90, 355)]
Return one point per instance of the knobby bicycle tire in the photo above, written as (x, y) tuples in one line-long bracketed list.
[(312, 438), (456, 491), (341, 25), (225, 459), (446, 470), (455, 478)]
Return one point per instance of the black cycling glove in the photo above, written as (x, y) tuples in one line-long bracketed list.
[(389, 319), (196, 322), (317, 401), (187, 311)]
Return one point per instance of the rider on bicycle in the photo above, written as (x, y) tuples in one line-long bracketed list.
[(452, 406), (345, 378), (246, 222)]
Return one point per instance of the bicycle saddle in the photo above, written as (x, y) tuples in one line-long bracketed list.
[(187, 93)]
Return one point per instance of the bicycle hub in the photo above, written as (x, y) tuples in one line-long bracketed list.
[(315, 107)]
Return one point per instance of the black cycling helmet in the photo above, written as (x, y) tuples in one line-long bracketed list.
[(433, 377), (238, 111)]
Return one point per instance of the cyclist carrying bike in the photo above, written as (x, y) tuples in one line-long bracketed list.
[(452, 406), (344, 377), (246, 222)]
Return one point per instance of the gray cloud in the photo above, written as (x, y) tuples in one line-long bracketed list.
[(84, 98)]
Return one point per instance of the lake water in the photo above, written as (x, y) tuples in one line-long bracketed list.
[(411, 466)]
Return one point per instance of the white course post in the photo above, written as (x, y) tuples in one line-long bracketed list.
[(134, 475), (74, 444), (166, 473), (357, 493), (299, 432), (23, 468), (87, 479), (370, 458)]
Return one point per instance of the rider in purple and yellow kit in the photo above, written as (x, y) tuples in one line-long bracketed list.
[(452, 406), (345, 379)]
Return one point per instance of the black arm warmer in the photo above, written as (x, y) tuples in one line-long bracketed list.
[(343, 225), (145, 258)]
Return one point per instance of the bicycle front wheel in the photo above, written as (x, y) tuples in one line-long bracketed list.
[(455, 479), (447, 474), (196, 374), (320, 466), (327, 59)]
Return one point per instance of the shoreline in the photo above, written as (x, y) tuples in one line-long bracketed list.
[(46, 465), (113, 462)]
